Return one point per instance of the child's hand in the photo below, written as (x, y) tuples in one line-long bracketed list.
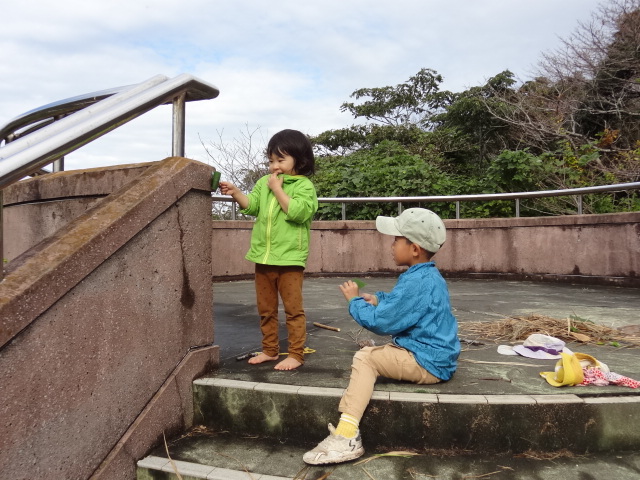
[(274, 181), (349, 289), (227, 188), (372, 299)]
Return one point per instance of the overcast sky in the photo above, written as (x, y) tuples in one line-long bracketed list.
[(278, 63)]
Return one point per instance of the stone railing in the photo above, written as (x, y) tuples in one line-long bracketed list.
[(575, 248), (106, 320)]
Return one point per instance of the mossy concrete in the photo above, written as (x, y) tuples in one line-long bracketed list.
[(493, 403), (467, 422), (221, 456)]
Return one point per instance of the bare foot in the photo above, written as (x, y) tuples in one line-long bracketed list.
[(260, 358), (288, 364)]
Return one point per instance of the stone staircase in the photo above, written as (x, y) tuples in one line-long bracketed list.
[(253, 430), (496, 419)]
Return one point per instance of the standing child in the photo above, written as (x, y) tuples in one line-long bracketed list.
[(416, 313), (283, 203)]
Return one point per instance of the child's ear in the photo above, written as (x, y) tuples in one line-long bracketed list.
[(415, 250)]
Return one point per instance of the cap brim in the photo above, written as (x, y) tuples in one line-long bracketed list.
[(387, 225), (541, 354), (506, 350)]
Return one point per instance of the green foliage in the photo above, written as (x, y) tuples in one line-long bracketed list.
[(472, 115), (387, 169), (348, 140), (573, 125), (414, 102), (514, 171), (391, 169), (568, 167)]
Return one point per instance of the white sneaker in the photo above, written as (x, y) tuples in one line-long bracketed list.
[(335, 449)]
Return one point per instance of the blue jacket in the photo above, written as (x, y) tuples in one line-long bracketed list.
[(417, 314)]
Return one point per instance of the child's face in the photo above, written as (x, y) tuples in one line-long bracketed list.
[(402, 251), (284, 164)]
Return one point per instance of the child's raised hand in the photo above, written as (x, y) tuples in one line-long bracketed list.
[(349, 289), (275, 181), (227, 188)]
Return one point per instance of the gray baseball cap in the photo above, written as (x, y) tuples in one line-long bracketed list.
[(419, 225)]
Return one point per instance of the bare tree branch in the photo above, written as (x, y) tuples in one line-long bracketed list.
[(241, 161)]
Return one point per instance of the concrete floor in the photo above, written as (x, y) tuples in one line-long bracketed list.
[(481, 369)]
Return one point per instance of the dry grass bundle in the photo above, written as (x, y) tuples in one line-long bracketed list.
[(571, 329), (534, 455)]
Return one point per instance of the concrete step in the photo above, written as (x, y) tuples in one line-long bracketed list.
[(205, 454), (497, 418), (415, 420)]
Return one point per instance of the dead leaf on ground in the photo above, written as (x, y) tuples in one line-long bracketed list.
[(581, 337)]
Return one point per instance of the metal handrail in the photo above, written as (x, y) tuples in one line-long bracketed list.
[(46, 114), (46, 134), (30, 152), (517, 196)]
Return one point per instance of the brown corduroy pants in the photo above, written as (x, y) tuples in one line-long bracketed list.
[(272, 280)]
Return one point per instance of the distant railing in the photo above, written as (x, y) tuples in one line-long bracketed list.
[(46, 134), (457, 199)]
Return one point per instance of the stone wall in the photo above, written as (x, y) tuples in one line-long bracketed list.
[(103, 326), (38, 207), (578, 248)]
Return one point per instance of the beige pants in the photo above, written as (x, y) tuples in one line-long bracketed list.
[(389, 361), (272, 280)]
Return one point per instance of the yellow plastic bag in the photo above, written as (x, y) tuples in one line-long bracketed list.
[(568, 371)]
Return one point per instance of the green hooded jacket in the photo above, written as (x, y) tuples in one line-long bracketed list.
[(280, 238)]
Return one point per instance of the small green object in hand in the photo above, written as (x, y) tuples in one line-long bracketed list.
[(358, 282), (215, 181)]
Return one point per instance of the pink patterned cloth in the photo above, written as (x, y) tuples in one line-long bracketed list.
[(595, 376)]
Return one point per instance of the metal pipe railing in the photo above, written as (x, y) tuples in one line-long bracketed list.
[(517, 196), (46, 134), (81, 108), (177, 137), (54, 141)]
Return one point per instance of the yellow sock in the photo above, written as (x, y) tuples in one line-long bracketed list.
[(348, 426)]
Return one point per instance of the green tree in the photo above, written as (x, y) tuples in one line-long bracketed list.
[(414, 102), (402, 113), (478, 132), (344, 141), (387, 169)]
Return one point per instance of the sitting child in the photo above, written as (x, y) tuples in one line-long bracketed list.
[(416, 313)]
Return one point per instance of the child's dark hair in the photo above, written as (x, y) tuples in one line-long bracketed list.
[(296, 144)]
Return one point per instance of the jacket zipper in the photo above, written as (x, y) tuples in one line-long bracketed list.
[(269, 221)]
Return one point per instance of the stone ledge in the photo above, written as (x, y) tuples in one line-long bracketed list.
[(384, 395), (482, 423)]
